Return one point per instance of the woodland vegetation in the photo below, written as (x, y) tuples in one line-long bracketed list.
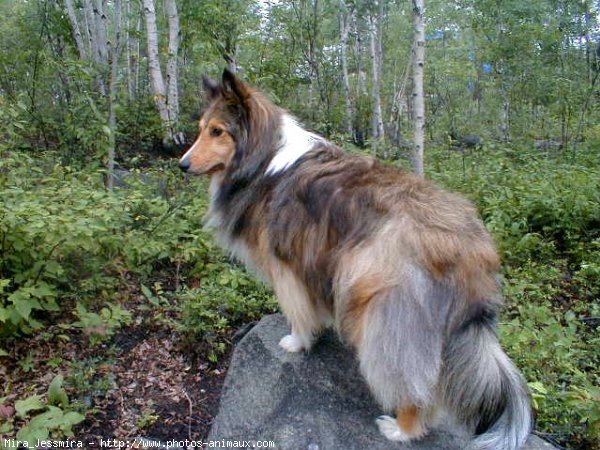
[(101, 236)]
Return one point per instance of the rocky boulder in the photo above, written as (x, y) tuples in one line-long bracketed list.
[(314, 401)]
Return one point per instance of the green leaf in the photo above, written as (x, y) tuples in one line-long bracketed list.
[(149, 295), (43, 290), (32, 403), (3, 283), (24, 308), (56, 394), (32, 434), (70, 419)]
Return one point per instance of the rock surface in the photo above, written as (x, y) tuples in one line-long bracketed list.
[(314, 401)]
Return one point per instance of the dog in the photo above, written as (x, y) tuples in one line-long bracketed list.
[(404, 271)]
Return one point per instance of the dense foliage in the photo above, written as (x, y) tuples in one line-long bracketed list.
[(71, 252), (545, 215)]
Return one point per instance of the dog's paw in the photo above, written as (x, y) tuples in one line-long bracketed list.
[(390, 429), (292, 343)]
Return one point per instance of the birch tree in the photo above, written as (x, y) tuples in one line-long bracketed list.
[(81, 47), (360, 126), (168, 108), (112, 98), (96, 37), (156, 76), (345, 22), (418, 92), (172, 73), (102, 31), (132, 48), (104, 52), (375, 32), (90, 28)]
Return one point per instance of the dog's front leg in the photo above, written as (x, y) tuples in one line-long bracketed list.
[(298, 308)]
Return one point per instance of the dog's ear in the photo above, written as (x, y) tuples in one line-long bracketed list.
[(235, 87), (211, 87)]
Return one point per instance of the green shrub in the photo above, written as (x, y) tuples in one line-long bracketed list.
[(66, 241), (41, 420), (228, 297), (545, 216)]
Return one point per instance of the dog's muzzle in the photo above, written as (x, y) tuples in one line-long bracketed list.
[(184, 163)]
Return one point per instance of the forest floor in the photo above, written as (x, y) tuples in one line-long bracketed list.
[(145, 381)]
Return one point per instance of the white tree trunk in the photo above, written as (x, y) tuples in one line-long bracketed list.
[(90, 29), (96, 33), (345, 19), (375, 28), (102, 32), (505, 118), (418, 93), (135, 55), (231, 60), (76, 29), (156, 77), (86, 30), (128, 58), (112, 96), (504, 89), (172, 75)]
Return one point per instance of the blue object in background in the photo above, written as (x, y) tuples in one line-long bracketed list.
[(436, 35)]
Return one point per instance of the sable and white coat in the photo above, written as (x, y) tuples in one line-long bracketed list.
[(405, 271)]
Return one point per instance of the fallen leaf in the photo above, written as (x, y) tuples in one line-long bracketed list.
[(6, 411)]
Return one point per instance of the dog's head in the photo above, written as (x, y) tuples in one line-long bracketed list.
[(213, 150), (236, 118)]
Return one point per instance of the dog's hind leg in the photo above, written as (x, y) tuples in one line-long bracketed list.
[(305, 317), (400, 352), (409, 424)]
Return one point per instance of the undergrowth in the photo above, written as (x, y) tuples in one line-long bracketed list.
[(544, 212), (73, 255)]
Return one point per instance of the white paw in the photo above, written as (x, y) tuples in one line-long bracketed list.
[(292, 343), (390, 429)]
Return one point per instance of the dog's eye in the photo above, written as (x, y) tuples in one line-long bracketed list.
[(216, 132)]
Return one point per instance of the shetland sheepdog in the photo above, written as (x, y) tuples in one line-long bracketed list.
[(405, 272)]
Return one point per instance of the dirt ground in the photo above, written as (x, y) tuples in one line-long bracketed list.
[(160, 393), (145, 381)]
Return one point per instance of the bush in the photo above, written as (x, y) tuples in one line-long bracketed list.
[(227, 298), (66, 241), (545, 216)]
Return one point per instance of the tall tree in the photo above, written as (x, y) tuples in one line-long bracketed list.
[(168, 108), (102, 31), (418, 92), (90, 28), (172, 72), (375, 18), (132, 47), (83, 51), (112, 95), (346, 16)]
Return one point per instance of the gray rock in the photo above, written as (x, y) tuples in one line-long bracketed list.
[(314, 401), (547, 144)]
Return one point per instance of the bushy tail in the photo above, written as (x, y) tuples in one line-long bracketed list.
[(486, 389)]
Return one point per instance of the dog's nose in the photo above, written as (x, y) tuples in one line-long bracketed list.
[(184, 164)]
